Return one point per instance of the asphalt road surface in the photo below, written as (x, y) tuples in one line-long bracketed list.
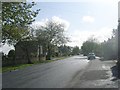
[(73, 72)]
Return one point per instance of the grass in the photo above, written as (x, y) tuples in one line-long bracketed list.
[(0, 70), (21, 66), (10, 68), (54, 59)]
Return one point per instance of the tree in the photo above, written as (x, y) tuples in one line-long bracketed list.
[(16, 17), (11, 56), (91, 45), (110, 47), (65, 50), (52, 33), (75, 50)]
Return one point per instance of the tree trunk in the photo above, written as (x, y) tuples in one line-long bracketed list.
[(48, 57), (39, 52), (25, 49), (28, 56)]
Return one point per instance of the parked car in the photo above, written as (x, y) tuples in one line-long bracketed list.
[(91, 56), (84, 54)]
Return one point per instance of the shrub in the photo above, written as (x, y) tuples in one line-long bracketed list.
[(11, 54)]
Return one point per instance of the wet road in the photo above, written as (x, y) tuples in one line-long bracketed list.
[(57, 74), (98, 74)]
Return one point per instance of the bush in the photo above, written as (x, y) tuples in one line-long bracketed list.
[(4, 57), (11, 54)]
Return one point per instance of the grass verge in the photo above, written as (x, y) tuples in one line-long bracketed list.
[(10, 68), (21, 66)]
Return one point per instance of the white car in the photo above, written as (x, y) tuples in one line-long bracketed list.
[(91, 56)]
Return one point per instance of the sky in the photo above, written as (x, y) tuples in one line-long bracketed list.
[(83, 18)]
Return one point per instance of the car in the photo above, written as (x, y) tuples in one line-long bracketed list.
[(91, 56), (84, 54)]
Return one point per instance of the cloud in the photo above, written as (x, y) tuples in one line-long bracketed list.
[(6, 48), (103, 34), (78, 37), (59, 20), (88, 19), (37, 24), (56, 19)]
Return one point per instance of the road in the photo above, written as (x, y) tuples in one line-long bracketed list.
[(72, 72), (98, 74)]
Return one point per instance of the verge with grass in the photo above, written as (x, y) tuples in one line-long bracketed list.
[(10, 68), (22, 66)]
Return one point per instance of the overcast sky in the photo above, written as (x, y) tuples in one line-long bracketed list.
[(83, 18)]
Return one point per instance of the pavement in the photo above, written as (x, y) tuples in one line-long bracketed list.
[(73, 72), (98, 74)]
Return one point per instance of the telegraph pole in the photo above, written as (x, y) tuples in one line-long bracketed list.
[(118, 62)]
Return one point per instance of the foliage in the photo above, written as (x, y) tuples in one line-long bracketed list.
[(50, 35), (65, 50), (90, 46), (75, 50), (11, 53), (11, 57), (52, 32), (107, 49), (16, 17), (4, 57)]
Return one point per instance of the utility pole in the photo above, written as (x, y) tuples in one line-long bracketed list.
[(118, 62)]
